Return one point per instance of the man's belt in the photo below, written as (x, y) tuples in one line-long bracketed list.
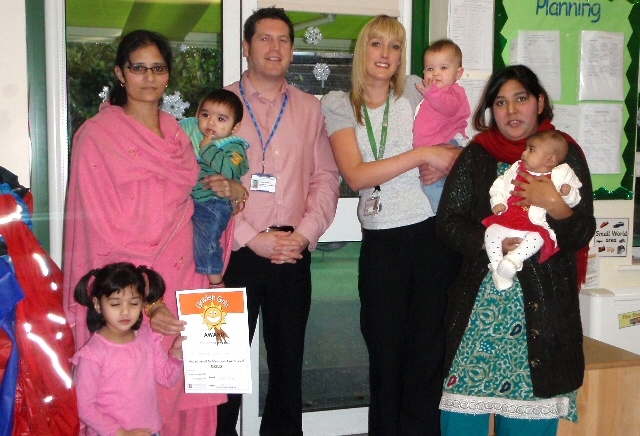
[(279, 229)]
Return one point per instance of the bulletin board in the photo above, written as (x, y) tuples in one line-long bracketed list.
[(570, 19)]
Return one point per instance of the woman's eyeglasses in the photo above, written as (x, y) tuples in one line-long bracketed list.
[(141, 69)]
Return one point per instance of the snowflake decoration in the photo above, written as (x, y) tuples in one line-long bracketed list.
[(184, 47), (321, 71), (174, 105), (104, 94), (312, 36)]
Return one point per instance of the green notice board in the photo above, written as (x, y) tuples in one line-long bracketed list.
[(570, 18)]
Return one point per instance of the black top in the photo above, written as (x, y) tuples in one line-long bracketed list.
[(550, 290)]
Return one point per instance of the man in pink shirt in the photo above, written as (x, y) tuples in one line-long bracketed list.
[(294, 187)]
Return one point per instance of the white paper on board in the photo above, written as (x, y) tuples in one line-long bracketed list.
[(473, 85), (567, 119), (600, 136), (476, 46), (601, 66), (540, 51)]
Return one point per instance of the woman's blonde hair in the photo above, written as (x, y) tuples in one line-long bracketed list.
[(382, 27)]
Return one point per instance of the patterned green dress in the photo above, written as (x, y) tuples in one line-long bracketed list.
[(490, 372)]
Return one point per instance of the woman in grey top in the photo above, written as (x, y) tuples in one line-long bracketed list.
[(404, 269)]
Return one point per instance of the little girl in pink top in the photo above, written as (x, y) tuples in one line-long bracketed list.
[(117, 369)]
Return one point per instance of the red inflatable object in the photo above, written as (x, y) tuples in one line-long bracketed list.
[(45, 399), (5, 350)]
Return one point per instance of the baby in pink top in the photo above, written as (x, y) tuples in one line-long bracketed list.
[(117, 369), (443, 112)]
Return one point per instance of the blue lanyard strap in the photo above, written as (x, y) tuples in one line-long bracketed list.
[(255, 123)]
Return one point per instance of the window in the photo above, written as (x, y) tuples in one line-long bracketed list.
[(92, 43)]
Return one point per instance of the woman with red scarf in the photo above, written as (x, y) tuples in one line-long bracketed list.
[(516, 353)]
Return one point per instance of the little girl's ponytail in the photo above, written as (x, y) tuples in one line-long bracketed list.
[(155, 284), (81, 293)]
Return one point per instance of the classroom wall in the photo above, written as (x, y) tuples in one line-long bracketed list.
[(14, 116)]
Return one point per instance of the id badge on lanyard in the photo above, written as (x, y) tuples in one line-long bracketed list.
[(263, 182), (372, 205)]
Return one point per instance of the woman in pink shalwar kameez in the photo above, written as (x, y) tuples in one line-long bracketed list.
[(132, 171)]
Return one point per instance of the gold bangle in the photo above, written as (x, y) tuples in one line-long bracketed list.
[(240, 204), (150, 306)]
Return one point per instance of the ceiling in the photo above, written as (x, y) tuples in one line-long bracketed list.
[(176, 19)]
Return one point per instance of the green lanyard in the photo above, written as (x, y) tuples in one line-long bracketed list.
[(383, 133)]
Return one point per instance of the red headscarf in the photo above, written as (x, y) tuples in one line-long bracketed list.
[(508, 151)]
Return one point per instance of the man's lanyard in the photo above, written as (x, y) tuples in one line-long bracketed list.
[(255, 123), (383, 135)]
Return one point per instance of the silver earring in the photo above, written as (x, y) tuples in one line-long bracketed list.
[(122, 84)]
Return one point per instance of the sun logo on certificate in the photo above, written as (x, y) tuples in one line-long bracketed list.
[(213, 317)]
